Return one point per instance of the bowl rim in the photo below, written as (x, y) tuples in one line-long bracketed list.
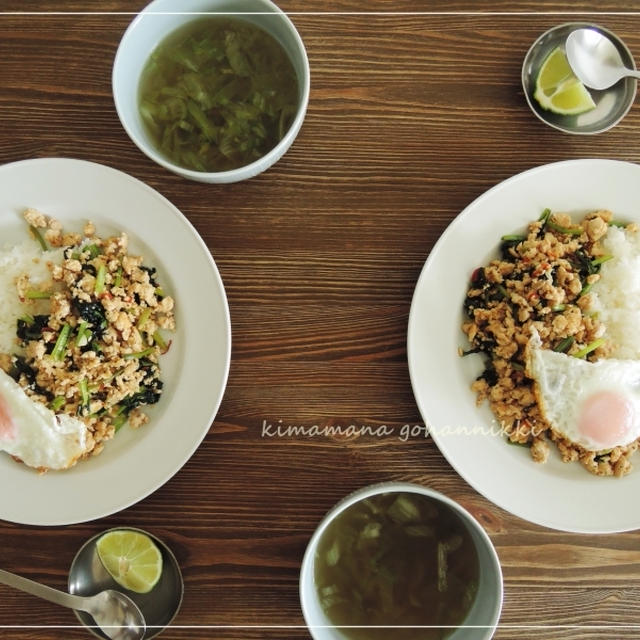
[(231, 175), (398, 487), (619, 42)]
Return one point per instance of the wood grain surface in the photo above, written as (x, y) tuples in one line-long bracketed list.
[(416, 109)]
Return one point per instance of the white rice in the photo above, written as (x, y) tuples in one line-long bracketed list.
[(616, 295), (15, 260)]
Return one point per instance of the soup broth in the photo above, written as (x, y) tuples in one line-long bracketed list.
[(217, 94), (399, 559)]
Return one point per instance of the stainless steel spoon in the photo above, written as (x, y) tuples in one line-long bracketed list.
[(115, 613), (595, 60)]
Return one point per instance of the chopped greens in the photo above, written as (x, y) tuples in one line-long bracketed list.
[(93, 250), (545, 215), (60, 346), (564, 344), (160, 341), (596, 262), (31, 327), (217, 94), (572, 231), (84, 395), (35, 232), (508, 241), (144, 316), (83, 335), (35, 294), (138, 354), (592, 346), (403, 510), (92, 313), (100, 279), (57, 403)]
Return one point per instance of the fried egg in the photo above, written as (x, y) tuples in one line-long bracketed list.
[(35, 435), (595, 405)]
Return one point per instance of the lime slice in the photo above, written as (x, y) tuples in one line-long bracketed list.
[(558, 89), (131, 558)]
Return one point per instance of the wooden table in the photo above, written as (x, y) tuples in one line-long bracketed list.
[(411, 117)]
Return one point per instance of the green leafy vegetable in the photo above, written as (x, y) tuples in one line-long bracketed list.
[(403, 510), (34, 294), (544, 216), (38, 236), (144, 317), (592, 346), (83, 335), (161, 342), (30, 327), (598, 261), (93, 250), (139, 354), (99, 286), (84, 395), (564, 344), (61, 343), (57, 403), (572, 231), (586, 288)]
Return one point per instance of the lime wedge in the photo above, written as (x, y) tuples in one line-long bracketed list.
[(132, 559), (558, 89)]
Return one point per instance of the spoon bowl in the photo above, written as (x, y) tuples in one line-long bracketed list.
[(595, 59), (159, 606), (114, 613)]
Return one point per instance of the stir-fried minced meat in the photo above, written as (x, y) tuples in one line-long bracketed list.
[(541, 281), (95, 353)]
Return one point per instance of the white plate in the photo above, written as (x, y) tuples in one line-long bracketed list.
[(136, 462), (557, 495)]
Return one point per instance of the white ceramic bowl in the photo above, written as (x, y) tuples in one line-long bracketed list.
[(482, 619), (162, 17)]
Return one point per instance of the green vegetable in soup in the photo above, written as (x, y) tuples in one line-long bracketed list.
[(217, 94)]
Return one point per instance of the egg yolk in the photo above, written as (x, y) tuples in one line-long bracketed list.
[(607, 419), (7, 425)]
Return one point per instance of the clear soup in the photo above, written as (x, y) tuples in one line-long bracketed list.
[(397, 559), (217, 94)]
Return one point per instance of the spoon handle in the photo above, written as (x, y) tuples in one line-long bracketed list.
[(40, 590)]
